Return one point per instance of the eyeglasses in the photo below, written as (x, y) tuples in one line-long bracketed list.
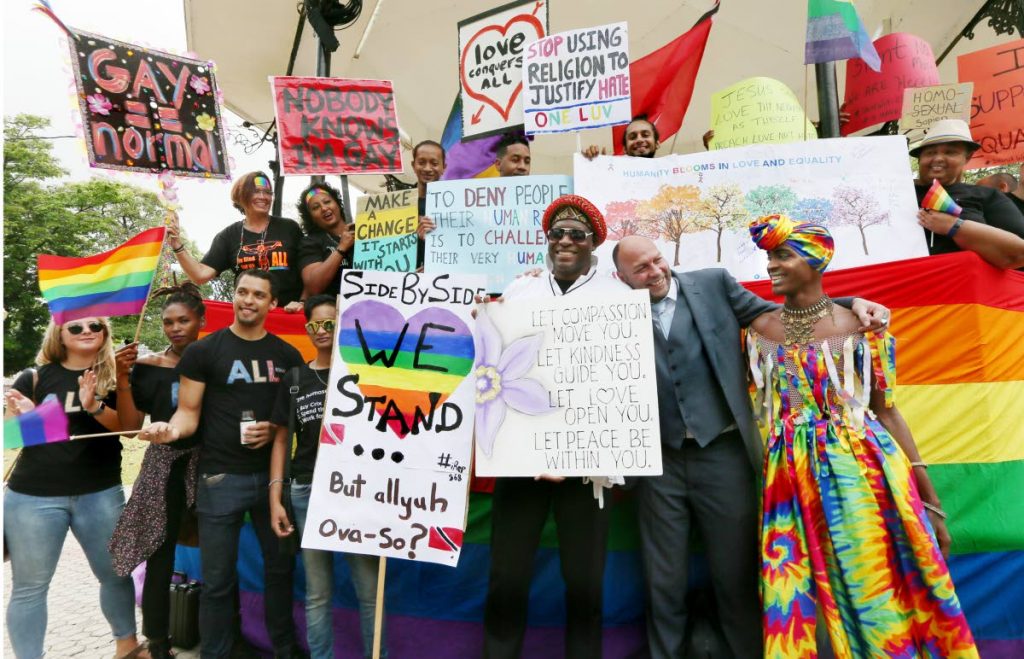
[(78, 328), (314, 326), (575, 235)]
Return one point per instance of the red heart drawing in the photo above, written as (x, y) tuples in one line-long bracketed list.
[(530, 26)]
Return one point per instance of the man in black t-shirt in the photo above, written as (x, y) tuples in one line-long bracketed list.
[(235, 370)]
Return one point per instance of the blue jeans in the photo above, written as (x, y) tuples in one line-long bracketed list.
[(37, 527), (319, 567), (221, 503)]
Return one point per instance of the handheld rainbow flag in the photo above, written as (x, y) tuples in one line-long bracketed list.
[(46, 424), (937, 199), (835, 31), (114, 283)]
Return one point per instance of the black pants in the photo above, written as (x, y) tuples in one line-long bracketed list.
[(156, 594), (518, 514)]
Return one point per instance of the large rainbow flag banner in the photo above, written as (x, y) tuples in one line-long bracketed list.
[(959, 325), (45, 424), (835, 32), (114, 283)]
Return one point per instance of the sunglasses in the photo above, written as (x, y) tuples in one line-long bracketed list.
[(78, 328), (575, 235), (314, 326)]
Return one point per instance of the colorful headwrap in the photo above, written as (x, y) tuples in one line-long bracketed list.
[(812, 242), (585, 212)]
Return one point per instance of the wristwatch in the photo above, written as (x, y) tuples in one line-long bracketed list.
[(99, 410)]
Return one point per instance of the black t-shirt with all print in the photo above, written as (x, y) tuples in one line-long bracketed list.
[(155, 392), (316, 248), (71, 468), (239, 375), (309, 412), (277, 251)]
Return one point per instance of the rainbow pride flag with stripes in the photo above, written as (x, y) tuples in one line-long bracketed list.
[(45, 424), (937, 199), (114, 283), (835, 32)]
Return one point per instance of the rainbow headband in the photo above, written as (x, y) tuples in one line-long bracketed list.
[(261, 182), (937, 199), (314, 192), (812, 242)]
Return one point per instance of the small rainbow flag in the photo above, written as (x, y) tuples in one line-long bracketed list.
[(835, 32), (114, 283), (45, 424), (937, 199)]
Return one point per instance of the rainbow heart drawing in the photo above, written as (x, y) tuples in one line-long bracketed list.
[(408, 367)]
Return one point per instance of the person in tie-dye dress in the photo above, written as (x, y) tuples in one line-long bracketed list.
[(852, 531)]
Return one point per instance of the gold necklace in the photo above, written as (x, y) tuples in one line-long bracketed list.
[(798, 324)]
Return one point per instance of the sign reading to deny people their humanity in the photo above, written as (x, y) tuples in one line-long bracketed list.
[(392, 470), (876, 97), (577, 79), (697, 207), (336, 126), (145, 110), (758, 111), (923, 106), (491, 50), (490, 226), (386, 232), (998, 77), (566, 386)]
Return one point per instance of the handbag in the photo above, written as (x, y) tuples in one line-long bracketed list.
[(289, 545), (183, 627)]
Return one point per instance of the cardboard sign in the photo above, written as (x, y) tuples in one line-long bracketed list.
[(583, 401), (336, 126), (577, 79), (386, 231), (697, 207), (491, 50), (490, 226), (874, 98), (145, 110), (758, 111), (998, 105), (392, 471), (923, 106)]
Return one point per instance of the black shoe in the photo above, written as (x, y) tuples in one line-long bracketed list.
[(159, 648)]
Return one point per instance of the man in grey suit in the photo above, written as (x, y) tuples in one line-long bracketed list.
[(710, 442)]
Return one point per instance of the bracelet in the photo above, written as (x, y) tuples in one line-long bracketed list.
[(956, 227), (178, 249), (923, 465), (99, 410), (275, 480), (935, 509)]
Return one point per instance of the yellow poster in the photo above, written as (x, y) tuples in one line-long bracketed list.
[(757, 111), (386, 231)]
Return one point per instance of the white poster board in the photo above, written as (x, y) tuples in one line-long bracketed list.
[(572, 388), (577, 79), (392, 472)]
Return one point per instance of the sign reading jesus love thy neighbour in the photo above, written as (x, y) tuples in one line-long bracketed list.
[(392, 470), (566, 386)]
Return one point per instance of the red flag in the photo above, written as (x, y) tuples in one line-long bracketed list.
[(662, 82)]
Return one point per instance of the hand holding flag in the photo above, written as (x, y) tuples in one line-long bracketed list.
[(937, 199)]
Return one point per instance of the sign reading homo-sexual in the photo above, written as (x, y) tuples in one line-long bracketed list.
[(577, 79), (490, 226), (336, 126), (566, 386), (998, 104), (491, 50), (145, 110), (923, 106), (386, 232), (758, 111), (392, 470)]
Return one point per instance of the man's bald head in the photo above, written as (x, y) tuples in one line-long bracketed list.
[(1001, 181), (641, 265)]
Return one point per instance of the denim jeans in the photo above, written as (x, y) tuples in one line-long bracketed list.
[(319, 567), (221, 503), (37, 527)]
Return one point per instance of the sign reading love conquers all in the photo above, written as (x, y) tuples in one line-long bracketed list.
[(491, 50)]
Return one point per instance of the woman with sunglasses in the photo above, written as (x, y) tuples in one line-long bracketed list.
[(165, 489), (72, 485), (258, 241), (327, 247), (319, 565)]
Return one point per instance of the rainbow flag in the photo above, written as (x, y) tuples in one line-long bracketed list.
[(835, 31), (114, 283), (937, 199), (288, 326), (472, 159), (45, 424)]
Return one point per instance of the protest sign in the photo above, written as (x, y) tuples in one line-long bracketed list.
[(577, 79), (998, 104), (697, 207), (876, 97), (566, 386), (923, 106), (491, 50), (490, 226), (386, 231), (336, 126), (392, 470), (758, 111), (145, 110)]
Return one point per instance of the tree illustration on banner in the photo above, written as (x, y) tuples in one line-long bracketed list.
[(812, 209), (856, 208), (771, 200), (623, 218), (721, 209), (672, 212)]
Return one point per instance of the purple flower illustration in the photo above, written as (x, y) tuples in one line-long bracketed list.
[(199, 84), (99, 104), (500, 383)]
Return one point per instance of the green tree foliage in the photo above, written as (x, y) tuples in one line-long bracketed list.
[(771, 200)]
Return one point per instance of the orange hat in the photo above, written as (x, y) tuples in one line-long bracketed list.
[(585, 212)]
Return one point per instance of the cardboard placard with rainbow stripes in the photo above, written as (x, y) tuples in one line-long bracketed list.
[(392, 471)]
